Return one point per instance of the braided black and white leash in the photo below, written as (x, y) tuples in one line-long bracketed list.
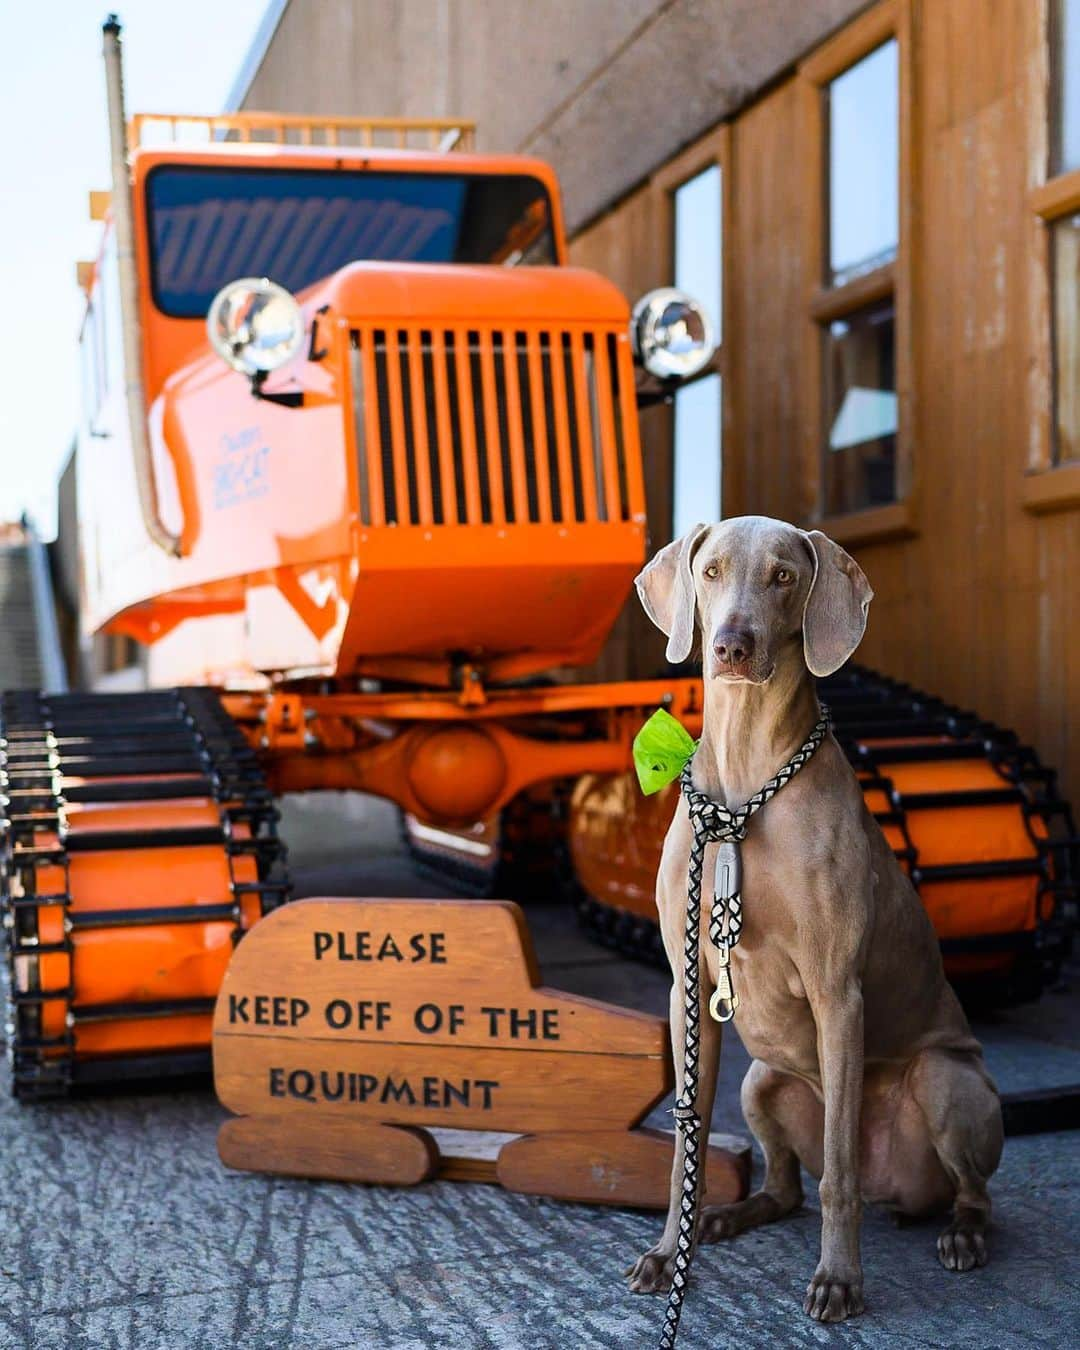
[(712, 824)]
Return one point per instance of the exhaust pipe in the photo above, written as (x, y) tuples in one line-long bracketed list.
[(134, 387)]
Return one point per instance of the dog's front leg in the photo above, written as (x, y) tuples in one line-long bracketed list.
[(651, 1273), (836, 1291)]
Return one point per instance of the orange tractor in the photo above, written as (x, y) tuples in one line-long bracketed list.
[(344, 394)]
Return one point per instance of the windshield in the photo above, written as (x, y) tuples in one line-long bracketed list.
[(209, 226)]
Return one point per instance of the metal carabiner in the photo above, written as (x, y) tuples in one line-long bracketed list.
[(721, 1008), (724, 1000)]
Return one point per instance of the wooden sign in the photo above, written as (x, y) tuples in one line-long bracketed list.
[(355, 1039)]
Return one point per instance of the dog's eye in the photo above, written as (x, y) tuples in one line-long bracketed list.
[(784, 576), (712, 571)]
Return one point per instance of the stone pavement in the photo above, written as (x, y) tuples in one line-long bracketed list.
[(122, 1231)]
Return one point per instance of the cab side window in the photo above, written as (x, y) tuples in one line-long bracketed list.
[(101, 341), (697, 209)]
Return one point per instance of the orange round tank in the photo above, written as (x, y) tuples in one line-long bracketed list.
[(457, 772)]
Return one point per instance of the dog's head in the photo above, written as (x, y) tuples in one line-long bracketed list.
[(761, 591)]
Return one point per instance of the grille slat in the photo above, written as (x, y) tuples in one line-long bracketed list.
[(436, 413), (494, 434), (385, 404), (399, 465), (494, 425), (515, 429), (469, 467), (578, 375), (635, 476), (421, 447), (538, 418), (571, 496), (457, 444), (360, 431), (409, 491), (604, 427), (483, 450), (443, 423), (367, 416)]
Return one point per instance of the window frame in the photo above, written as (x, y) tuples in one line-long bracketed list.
[(711, 151), (1049, 484), (889, 19)]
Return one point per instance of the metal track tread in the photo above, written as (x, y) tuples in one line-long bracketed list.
[(526, 861), (128, 741)]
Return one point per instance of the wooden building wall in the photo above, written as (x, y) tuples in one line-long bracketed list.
[(977, 573), (603, 91)]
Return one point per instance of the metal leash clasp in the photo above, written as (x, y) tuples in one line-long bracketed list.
[(724, 1000)]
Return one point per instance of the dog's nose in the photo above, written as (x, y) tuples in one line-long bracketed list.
[(733, 646)]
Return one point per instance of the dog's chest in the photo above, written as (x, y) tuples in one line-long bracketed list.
[(774, 1019)]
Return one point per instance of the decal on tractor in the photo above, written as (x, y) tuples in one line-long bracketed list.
[(242, 470)]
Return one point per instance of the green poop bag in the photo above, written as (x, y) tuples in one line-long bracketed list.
[(661, 749)]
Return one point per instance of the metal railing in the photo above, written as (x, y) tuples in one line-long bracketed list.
[(53, 668), (399, 133)]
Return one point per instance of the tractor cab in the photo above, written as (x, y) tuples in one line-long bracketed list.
[(385, 423)]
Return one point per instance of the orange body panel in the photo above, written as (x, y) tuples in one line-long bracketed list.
[(144, 1036), (187, 811), (523, 599), (965, 834), (153, 878), (147, 965)]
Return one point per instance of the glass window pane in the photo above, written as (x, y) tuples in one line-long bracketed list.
[(296, 226), (1065, 81), (100, 355), (1066, 253), (864, 164), (698, 241), (696, 494), (88, 364), (861, 410)]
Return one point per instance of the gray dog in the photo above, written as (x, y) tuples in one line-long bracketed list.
[(864, 1067)]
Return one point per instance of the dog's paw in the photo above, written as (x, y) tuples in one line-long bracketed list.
[(651, 1272), (961, 1248), (718, 1222), (832, 1298), (721, 1221)]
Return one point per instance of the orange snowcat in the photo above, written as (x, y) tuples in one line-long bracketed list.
[(342, 386)]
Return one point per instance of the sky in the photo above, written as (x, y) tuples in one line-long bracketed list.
[(178, 57)]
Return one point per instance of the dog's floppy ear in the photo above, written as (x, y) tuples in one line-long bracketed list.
[(834, 617), (666, 588)]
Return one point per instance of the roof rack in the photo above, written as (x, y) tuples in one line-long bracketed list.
[(400, 133)]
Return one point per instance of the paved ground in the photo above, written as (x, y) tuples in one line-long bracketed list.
[(122, 1231)]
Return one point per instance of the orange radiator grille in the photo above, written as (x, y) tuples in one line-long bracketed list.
[(494, 426)]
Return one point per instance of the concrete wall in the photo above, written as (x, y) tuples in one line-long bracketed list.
[(604, 91)]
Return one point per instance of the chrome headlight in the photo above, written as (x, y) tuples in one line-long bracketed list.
[(255, 325), (673, 337)]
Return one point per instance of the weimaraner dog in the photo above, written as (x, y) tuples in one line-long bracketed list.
[(864, 1067)]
